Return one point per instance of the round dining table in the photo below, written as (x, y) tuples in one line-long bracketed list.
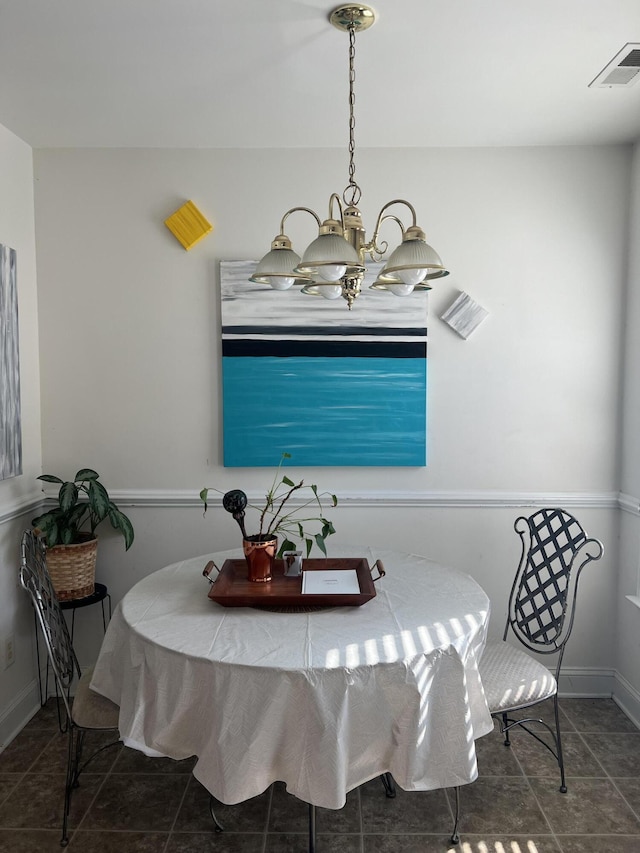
[(322, 700)]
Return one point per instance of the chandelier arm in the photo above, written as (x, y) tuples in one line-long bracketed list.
[(294, 210), (374, 250), (335, 197), (398, 201), (372, 246)]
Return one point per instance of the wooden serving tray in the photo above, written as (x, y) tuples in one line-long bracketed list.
[(232, 588)]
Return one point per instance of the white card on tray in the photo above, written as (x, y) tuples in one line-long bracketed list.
[(330, 582)]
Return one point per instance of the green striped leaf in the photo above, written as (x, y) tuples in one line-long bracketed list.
[(86, 474), (99, 499), (119, 521), (68, 496)]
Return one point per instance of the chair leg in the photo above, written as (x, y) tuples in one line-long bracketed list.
[(74, 752), (505, 724), (556, 737), (77, 761), (312, 828), (455, 837), (563, 786), (389, 785), (219, 827)]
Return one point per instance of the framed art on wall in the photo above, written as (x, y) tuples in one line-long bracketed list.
[(327, 385), (10, 420)]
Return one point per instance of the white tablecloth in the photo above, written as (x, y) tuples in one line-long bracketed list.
[(323, 701)]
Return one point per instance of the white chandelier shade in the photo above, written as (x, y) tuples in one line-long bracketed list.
[(328, 257), (412, 263), (278, 267)]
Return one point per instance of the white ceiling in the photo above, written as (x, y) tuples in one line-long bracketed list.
[(273, 73)]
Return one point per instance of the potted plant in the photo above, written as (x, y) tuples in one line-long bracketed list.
[(277, 516), (69, 531)]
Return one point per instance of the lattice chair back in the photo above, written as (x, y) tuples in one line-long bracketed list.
[(35, 578), (555, 549)]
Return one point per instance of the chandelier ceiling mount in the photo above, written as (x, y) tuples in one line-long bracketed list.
[(358, 17)]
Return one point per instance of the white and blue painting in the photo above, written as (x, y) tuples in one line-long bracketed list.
[(330, 386), (10, 421)]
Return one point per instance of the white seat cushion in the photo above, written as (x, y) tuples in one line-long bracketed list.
[(512, 679), (90, 709)]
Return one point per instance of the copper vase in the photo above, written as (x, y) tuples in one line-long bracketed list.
[(260, 553)]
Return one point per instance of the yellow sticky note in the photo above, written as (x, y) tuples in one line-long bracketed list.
[(188, 225)]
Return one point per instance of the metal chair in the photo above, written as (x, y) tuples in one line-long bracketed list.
[(542, 604), (87, 711)]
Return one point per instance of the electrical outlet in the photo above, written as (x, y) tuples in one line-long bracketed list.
[(9, 650)]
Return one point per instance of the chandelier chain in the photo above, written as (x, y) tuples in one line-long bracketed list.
[(353, 189)]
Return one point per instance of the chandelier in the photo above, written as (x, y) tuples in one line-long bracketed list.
[(333, 265)]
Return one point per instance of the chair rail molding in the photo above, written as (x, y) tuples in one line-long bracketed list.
[(388, 498), (20, 506), (168, 498), (629, 503)]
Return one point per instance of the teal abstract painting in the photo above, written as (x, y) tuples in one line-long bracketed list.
[(329, 386)]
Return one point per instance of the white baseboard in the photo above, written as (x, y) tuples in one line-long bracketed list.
[(18, 713), (586, 682), (627, 698)]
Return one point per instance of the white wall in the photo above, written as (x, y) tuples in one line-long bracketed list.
[(131, 319), (628, 652), (17, 495), (129, 335)]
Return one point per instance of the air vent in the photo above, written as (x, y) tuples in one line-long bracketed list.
[(622, 71)]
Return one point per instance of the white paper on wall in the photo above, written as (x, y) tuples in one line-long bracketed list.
[(464, 315)]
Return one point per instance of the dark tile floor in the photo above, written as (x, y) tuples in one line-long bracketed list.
[(128, 802)]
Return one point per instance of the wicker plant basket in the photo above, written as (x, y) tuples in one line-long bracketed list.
[(73, 568)]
